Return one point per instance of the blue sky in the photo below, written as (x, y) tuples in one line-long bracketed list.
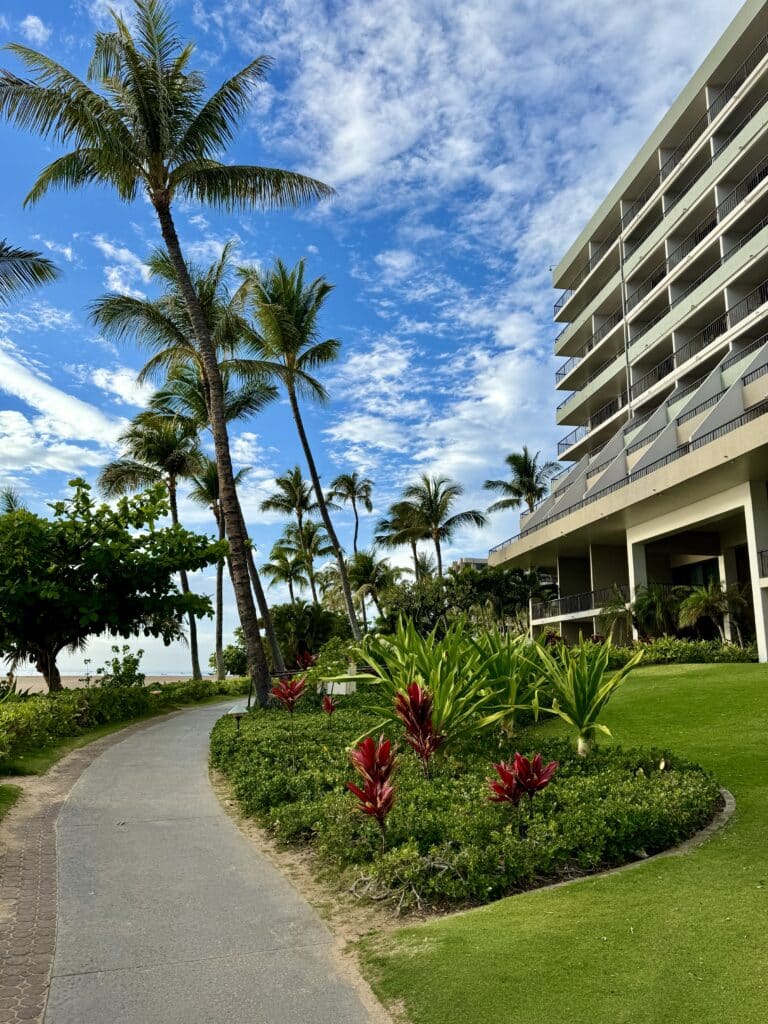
[(468, 143)]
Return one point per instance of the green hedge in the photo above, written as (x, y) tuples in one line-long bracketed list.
[(447, 845), (43, 719), (667, 650)]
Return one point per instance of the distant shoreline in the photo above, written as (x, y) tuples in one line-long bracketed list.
[(36, 683)]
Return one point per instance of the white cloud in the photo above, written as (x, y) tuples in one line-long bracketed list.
[(66, 251), (35, 30), (124, 270), (120, 382), (39, 316)]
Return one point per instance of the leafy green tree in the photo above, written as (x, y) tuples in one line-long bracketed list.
[(354, 490), (148, 128), (21, 270), (711, 602), (303, 628), (205, 491), (433, 498), (92, 569), (287, 310), (157, 451), (528, 484), (656, 608)]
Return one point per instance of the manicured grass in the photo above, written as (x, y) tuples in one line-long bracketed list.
[(681, 939), (8, 797)]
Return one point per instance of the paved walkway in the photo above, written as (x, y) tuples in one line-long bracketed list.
[(167, 914)]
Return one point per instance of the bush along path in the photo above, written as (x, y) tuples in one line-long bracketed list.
[(165, 911)]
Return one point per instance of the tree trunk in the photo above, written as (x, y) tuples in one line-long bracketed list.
[(364, 613), (334, 540), (415, 553), (311, 577), (379, 609), (193, 648), (266, 618), (220, 673), (357, 526), (290, 592), (45, 663), (257, 662), (439, 554)]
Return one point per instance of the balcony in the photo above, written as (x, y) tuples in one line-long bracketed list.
[(574, 603), (602, 331), (592, 262), (603, 413)]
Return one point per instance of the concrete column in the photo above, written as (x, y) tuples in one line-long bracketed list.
[(638, 573), (756, 515), (726, 564)]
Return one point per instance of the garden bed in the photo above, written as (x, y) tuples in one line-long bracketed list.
[(446, 845)]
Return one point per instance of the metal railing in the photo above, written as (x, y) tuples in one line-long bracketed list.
[(681, 150), (659, 371), (588, 601), (760, 371), (683, 392), (602, 331), (708, 403), (756, 411), (739, 354), (645, 441)]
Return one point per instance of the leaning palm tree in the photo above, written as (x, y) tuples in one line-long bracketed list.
[(355, 490), (21, 270), (157, 451), (287, 567), (369, 576), (144, 126), (164, 327), (433, 498), (529, 481), (205, 491), (287, 309), (402, 526), (711, 602)]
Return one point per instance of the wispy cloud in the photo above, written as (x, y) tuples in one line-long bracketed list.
[(35, 30)]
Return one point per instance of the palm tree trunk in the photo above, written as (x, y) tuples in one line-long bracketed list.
[(357, 526), (261, 601), (311, 577), (193, 648), (415, 553), (438, 553), (45, 663), (290, 592), (364, 613), (334, 540), (220, 673), (257, 662), (379, 609)]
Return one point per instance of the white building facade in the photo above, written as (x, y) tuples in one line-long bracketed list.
[(665, 342)]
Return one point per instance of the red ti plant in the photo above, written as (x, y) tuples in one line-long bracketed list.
[(414, 709), (304, 659), (533, 775), (288, 690), (507, 789), (329, 706), (374, 762)]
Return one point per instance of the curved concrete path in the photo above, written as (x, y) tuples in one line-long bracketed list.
[(167, 914)]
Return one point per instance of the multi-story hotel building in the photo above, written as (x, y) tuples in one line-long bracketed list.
[(665, 373)]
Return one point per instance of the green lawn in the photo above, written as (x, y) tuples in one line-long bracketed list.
[(682, 939)]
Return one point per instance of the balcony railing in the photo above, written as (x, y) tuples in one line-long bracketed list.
[(645, 441), (755, 374), (661, 370), (677, 155), (763, 557), (739, 354), (602, 331), (600, 416), (573, 603), (708, 403), (755, 412)]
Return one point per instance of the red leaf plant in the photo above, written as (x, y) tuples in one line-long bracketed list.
[(522, 777), (414, 709), (374, 763), (329, 706), (289, 690), (305, 659)]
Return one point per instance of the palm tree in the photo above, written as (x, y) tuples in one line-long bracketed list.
[(432, 498), (148, 128), (402, 526), (289, 348), (369, 576), (529, 482), (164, 326), (712, 601), (157, 451), (11, 501), (356, 490), (307, 544), (285, 566), (424, 565), (205, 491), (21, 270), (656, 608), (292, 497)]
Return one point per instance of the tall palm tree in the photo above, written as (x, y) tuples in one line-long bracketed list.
[(369, 576), (286, 566), (529, 482), (11, 501), (145, 126), (308, 545), (157, 451), (355, 490), (287, 309), (205, 491), (400, 526), (163, 326), (293, 496), (21, 270), (432, 498), (712, 602)]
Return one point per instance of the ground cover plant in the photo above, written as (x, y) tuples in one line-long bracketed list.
[(437, 838), (679, 939)]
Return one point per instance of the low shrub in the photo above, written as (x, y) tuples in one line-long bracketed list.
[(43, 719), (671, 650), (446, 843)]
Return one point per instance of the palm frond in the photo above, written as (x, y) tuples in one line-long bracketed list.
[(22, 269)]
